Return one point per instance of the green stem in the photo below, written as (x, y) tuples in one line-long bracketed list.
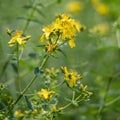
[(29, 18), (18, 77), (29, 84), (118, 37), (58, 85), (113, 101), (103, 100), (66, 106), (6, 64)]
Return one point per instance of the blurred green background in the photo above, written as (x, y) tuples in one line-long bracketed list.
[(96, 56)]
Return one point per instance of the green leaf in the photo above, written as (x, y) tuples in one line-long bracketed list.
[(32, 55), (59, 50), (27, 6), (40, 12), (28, 103), (14, 68), (36, 71)]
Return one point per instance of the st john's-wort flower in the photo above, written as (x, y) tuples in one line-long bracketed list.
[(46, 94), (71, 76), (18, 38)]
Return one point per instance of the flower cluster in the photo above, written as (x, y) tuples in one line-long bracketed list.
[(45, 103), (63, 29)]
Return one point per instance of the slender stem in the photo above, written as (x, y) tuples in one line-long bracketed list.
[(58, 85), (66, 106), (29, 84), (73, 95), (29, 18), (118, 37), (103, 100), (18, 76), (113, 101), (6, 64)]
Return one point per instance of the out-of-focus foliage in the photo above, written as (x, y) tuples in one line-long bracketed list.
[(96, 55)]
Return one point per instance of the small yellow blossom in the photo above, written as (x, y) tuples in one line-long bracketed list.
[(18, 114), (95, 2), (54, 109), (42, 111), (9, 32), (44, 93), (72, 43), (74, 6), (18, 38), (71, 76), (35, 112), (84, 88), (101, 29)]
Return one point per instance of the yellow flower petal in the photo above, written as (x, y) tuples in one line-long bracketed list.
[(71, 43)]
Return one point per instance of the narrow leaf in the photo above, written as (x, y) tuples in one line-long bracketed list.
[(28, 103), (14, 68), (36, 71)]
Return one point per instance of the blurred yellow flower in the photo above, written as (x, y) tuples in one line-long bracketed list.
[(54, 109), (71, 76), (35, 112), (42, 111), (44, 93), (18, 38), (95, 2), (101, 29), (100, 7), (18, 114), (74, 6)]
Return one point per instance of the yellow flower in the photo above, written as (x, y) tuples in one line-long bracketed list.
[(44, 93), (74, 6), (18, 114), (71, 76), (71, 43), (101, 29), (48, 30), (18, 38)]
